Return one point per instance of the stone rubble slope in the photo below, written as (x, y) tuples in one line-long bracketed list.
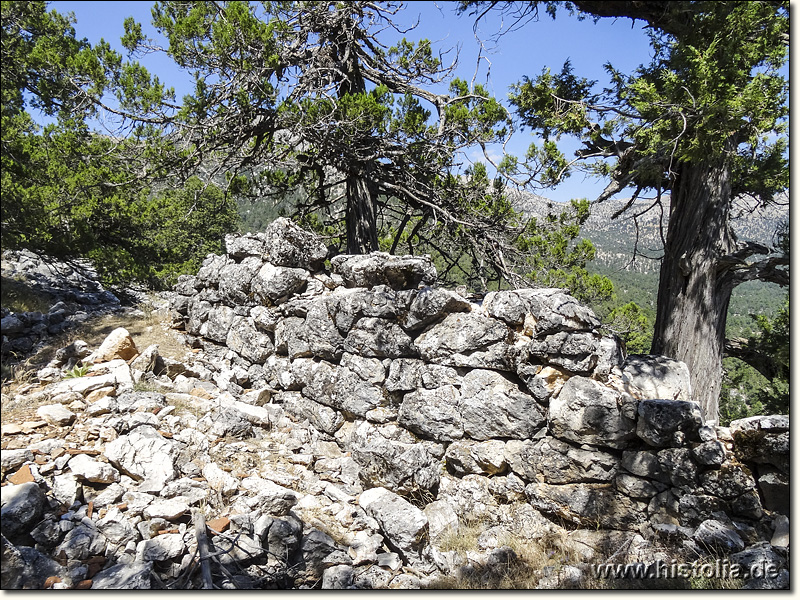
[(73, 288), (336, 428)]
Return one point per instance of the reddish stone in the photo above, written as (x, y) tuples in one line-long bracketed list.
[(24, 475), (219, 525)]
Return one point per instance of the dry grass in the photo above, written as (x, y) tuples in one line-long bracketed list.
[(530, 562), (19, 296), (546, 557)]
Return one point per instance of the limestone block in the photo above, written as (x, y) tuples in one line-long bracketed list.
[(653, 376), (380, 268), (586, 412), (402, 523), (433, 414), (118, 344), (493, 406), (668, 422), (287, 244)]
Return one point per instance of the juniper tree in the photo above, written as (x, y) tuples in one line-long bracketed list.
[(701, 123), (313, 94), (69, 191)]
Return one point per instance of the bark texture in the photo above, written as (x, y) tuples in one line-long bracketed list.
[(693, 294), (362, 228)]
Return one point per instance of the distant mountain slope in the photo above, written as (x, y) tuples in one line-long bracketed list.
[(637, 281), (638, 227)]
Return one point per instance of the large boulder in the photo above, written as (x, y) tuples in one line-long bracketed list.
[(89, 469), (218, 324), (493, 406), (273, 283), (124, 576), (653, 376), (341, 389), (245, 339), (374, 337), (246, 245), (380, 268), (586, 412), (210, 271), (11, 460), (320, 416), (466, 457), (286, 244), (577, 352)]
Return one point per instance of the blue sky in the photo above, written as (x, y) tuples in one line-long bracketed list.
[(545, 43)]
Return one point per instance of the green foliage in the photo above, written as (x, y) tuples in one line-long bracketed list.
[(181, 227), (747, 392), (68, 192), (77, 371), (557, 258), (631, 324), (742, 390)]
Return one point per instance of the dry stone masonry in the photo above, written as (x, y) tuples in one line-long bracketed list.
[(343, 418)]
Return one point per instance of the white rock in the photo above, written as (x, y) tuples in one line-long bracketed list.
[(219, 480), (117, 528), (442, 519), (169, 509), (103, 406), (144, 454), (118, 345), (136, 501), (262, 416), (93, 470), (11, 460), (161, 547), (56, 414), (66, 489), (400, 521), (273, 498)]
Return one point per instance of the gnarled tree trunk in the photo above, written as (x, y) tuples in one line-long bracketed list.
[(362, 227), (693, 295)]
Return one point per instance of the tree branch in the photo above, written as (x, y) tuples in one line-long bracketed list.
[(763, 363)]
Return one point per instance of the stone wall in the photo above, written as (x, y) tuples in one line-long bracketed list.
[(496, 404), (358, 427)]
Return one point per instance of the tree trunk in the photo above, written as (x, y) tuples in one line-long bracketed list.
[(362, 225), (693, 294)]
